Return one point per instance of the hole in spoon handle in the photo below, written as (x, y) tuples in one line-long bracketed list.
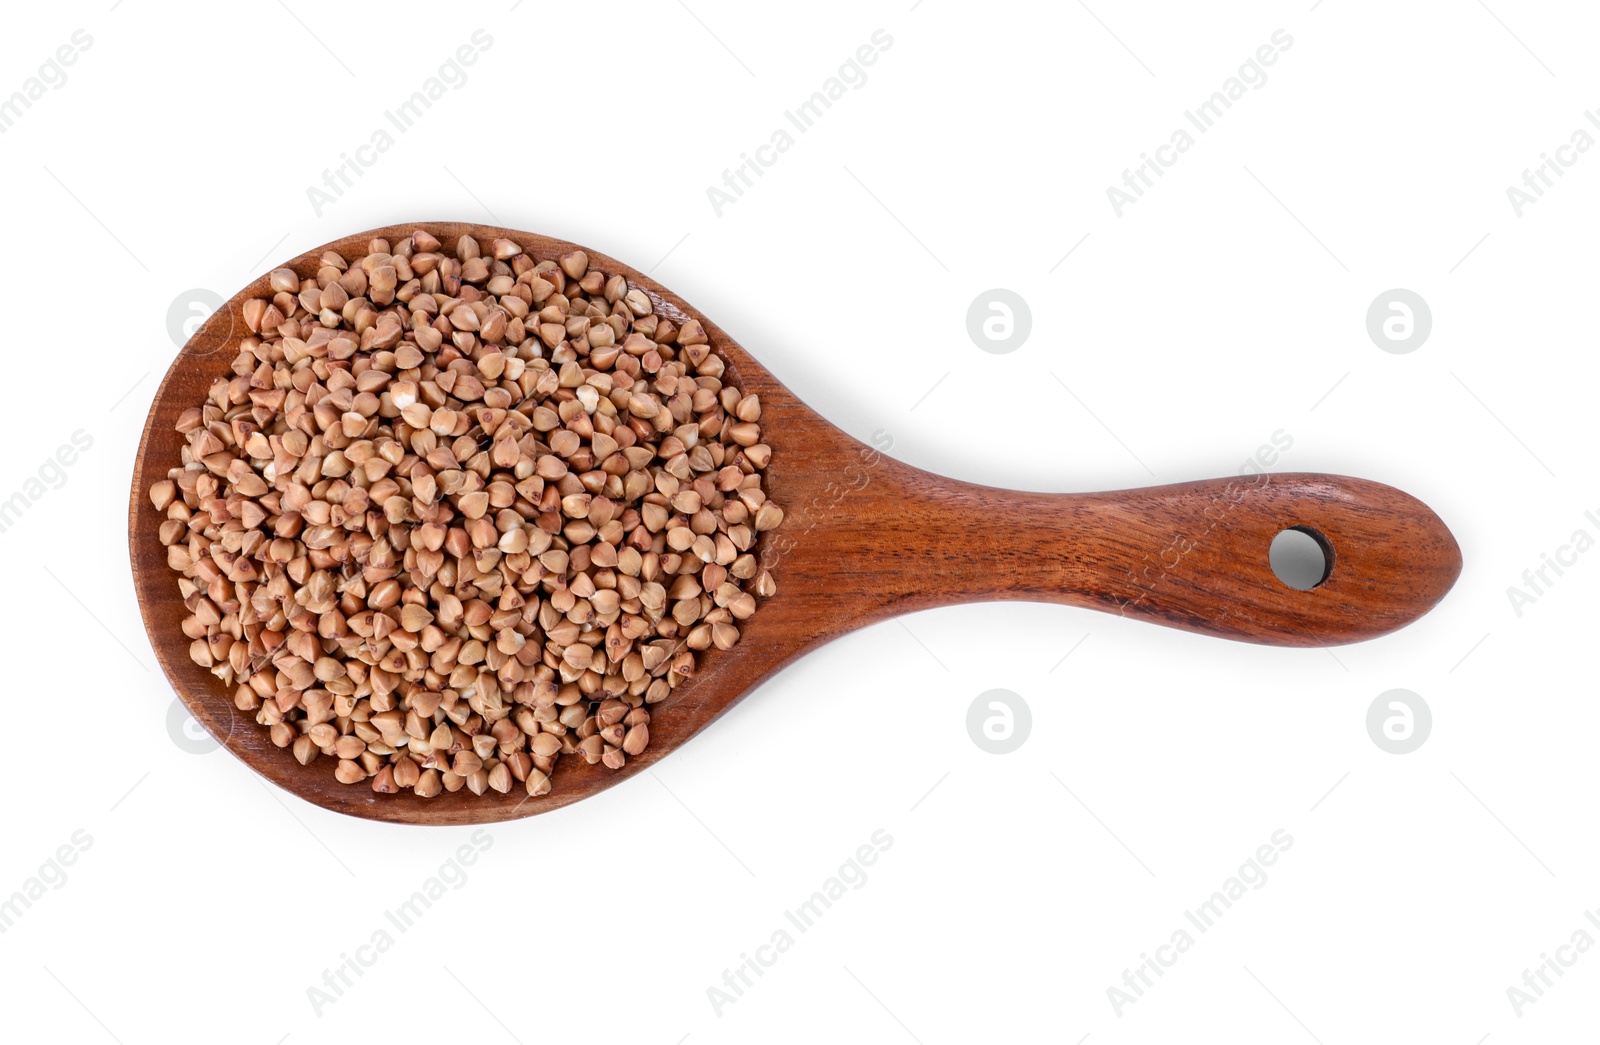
[(1201, 556)]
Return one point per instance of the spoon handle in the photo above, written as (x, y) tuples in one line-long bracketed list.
[(1192, 555)]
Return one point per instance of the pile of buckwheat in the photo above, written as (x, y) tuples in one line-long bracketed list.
[(459, 512)]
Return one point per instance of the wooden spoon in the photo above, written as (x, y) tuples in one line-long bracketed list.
[(867, 538)]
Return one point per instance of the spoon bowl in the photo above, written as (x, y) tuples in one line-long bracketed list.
[(866, 538)]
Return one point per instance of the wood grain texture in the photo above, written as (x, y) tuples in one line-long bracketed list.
[(866, 538)]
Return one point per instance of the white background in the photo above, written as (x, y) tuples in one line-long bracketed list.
[(1227, 304)]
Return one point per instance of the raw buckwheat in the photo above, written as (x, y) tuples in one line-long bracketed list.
[(459, 512)]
